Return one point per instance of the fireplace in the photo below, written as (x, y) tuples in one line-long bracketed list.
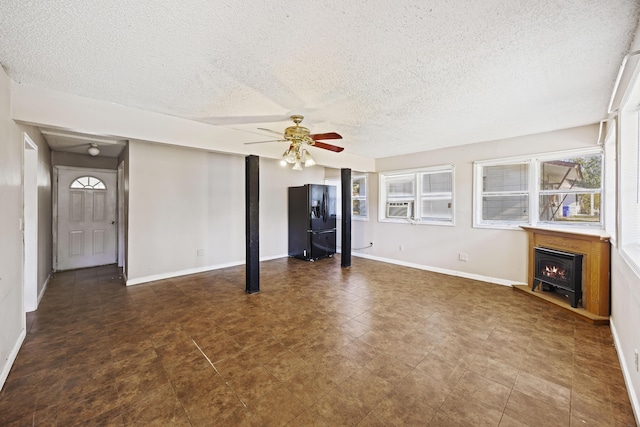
[(559, 271)]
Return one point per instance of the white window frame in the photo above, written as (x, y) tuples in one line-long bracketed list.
[(362, 198), (610, 183), (337, 183), (77, 184), (417, 197), (534, 191)]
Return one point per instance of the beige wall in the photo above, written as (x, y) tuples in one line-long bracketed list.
[(494, 255), (12, 316), (183, 200)]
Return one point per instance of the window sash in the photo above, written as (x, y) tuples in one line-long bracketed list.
[(400, 182), (506, 212)]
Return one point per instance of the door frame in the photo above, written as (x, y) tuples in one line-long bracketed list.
[(54, 200), (120, 215), (29, 224)]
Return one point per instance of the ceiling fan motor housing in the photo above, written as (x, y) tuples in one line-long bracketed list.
[(296, 132)]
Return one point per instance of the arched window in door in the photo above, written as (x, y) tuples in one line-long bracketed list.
[(88, 183)]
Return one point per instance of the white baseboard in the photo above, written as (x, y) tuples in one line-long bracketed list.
[(12, 358), (478, 277), (44, 288), (448, 272), (188, 271), (633, 396)]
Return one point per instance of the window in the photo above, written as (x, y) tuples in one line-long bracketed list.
[(423, 196), (570, 189), (89, 183), (567, 190), (358, 196)]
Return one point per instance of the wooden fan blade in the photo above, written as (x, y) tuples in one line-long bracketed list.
[(329, 147), (271, 131), (260, 142), (330, 135)]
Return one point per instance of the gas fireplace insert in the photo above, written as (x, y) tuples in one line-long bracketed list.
[(560, 272)]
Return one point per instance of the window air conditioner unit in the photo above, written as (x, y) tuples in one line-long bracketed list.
[(399, 209)]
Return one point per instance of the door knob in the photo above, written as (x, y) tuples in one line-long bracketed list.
[(113, 222)]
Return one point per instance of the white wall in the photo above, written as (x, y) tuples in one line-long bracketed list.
[(625, 283), (12, 316), (494, 255), (184, 200), (625, 322)]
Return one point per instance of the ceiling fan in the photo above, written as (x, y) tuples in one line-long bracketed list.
[(299, 136)]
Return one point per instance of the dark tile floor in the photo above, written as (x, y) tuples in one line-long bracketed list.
[(371, 345)]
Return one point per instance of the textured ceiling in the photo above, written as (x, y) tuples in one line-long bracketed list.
[(393, 77)]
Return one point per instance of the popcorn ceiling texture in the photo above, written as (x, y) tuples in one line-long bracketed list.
[(393, 77)]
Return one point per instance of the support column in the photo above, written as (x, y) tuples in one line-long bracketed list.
[(345, 185), (252, 192)]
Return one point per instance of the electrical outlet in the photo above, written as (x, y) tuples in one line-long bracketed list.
[(371, 244), (636, 350), (463, 257), (200, 252), (401, 247)]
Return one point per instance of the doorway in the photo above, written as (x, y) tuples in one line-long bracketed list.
[(84, 218)]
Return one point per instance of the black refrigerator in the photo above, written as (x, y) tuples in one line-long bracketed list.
[(312, 221)]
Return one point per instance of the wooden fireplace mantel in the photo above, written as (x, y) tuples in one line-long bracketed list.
[(595, 248)]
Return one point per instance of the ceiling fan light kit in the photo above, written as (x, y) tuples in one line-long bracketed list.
[(297, 136), (297, 156)]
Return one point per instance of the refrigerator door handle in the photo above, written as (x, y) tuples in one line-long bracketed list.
[(332, 230), (324, 205)]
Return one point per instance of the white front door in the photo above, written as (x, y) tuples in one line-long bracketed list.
[(86, 218)]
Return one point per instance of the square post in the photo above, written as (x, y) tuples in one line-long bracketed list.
[(345, 185), (252, 199)]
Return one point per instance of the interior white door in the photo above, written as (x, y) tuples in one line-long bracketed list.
[(86, 218)]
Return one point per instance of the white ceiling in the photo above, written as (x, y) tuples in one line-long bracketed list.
[(393, 77)]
